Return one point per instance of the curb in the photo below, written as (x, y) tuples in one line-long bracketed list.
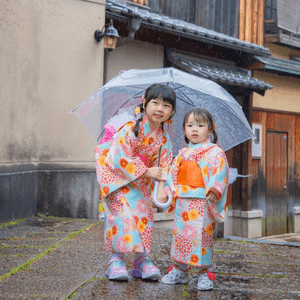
[(260, 241)]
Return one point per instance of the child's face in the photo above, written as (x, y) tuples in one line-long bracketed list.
[(196, 132), (158, 111)]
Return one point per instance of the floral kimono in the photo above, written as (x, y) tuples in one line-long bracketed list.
[(196, 171), (125, 192)]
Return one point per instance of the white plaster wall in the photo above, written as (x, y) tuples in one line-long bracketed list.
[(49, 64), (134, 55)]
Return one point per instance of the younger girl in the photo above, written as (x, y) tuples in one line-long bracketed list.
[(126, 167), (200, 180)]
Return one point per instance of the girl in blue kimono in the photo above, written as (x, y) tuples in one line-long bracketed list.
[(198, 181), (126, 167)]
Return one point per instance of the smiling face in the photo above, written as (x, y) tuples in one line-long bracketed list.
[(158, 111), (196, 131)]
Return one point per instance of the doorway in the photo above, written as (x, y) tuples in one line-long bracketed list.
[(276, 183)]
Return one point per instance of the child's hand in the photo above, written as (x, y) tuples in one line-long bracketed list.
[(162, 198), (161, 195), (154, 172), (212, 197)]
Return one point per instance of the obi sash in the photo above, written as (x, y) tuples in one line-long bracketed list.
[(190, 174)]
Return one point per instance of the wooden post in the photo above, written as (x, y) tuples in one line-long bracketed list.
[(255, 21), (242, 19), (260, 22), (248, 28)]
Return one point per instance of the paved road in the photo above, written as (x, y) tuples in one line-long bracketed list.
[(51, 258)]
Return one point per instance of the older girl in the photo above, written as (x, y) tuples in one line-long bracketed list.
[(126, 167)]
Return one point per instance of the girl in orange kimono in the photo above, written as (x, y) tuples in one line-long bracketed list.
[(199, 181), (126, 166)]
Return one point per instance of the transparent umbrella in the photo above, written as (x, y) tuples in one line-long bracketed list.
[(123, 93)]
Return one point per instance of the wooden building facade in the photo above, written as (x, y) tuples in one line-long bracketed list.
[(275, 182)]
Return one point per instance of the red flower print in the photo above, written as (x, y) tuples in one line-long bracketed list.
[(114, 230), (105, 152), (150, 216), (206, 239), (108, 243), (172, 207), (184, 244), (145, 220), (125, 189), (123, 162), (107, 176), (116, 205), (136, 219), (184, 216), (198, 205), (147, 237), (194, 259), (106, 190)]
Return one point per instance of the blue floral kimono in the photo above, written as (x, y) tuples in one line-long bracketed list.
[(196, 171), (125, 192)]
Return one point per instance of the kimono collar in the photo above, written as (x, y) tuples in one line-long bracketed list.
[(145, 128), (204, 145)]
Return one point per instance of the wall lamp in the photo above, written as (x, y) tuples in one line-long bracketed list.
[(110, 36)]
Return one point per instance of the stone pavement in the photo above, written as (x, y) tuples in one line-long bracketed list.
[(54, 258)]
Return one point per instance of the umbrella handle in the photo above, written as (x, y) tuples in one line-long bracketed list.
[(156, 202)]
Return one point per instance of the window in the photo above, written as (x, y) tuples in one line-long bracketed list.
[(271, 17)]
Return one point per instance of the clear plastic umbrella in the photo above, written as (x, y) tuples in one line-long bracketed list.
[(123, 93)]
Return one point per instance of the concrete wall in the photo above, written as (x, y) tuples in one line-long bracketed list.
[(50, 63)]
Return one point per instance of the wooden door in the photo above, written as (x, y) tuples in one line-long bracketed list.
[(276, 183)]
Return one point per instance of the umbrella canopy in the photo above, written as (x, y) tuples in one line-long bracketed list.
[(123, 93)]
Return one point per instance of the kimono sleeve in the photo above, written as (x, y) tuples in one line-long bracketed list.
[(165, 157), (119, 166), (171, 183), (215, 172)]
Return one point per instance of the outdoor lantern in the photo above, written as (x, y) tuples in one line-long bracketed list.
[(110, 36)]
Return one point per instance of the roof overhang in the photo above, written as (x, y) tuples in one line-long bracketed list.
[(162, 23), (221, 72), (277, 65)]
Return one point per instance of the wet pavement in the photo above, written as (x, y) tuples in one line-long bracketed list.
[(52, 258)]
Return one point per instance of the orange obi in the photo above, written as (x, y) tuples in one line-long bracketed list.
[(190, 174)]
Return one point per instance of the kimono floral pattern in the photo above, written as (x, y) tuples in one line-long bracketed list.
[(194, 219), (125, 192)]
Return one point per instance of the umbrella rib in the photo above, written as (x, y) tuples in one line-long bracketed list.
[(177, 89)]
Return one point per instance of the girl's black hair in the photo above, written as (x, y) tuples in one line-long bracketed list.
[(155, 91), (201, 115)]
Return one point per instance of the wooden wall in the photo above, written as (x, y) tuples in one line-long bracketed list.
[(251, 21), (218, 15), (288, 123)]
